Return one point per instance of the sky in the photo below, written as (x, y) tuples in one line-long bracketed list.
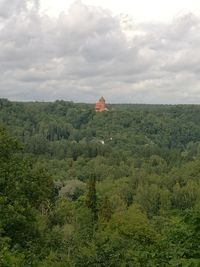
[(128, 51)]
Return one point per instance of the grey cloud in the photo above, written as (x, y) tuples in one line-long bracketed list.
[(88, 52), (8, 8)]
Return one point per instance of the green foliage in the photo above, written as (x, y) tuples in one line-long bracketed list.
[(79, 188), (105, 209), (73, 189), (91, 200)]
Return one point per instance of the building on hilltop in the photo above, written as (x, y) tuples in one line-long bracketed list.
[(101, 105)]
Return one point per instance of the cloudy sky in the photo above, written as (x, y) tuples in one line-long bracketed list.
[(130, 52)]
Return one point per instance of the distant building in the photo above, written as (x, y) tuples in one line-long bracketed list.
[(101, 105)]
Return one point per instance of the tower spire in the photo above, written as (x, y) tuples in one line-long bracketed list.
[(101, 105)]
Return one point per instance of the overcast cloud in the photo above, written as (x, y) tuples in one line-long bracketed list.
[(88, 52)]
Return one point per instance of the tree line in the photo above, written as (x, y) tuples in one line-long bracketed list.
[(79, 188)]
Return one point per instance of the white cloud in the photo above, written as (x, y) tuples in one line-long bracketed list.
[(87, 52), (143, 10)]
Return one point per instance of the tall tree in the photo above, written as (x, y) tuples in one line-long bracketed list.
[(91, 199)]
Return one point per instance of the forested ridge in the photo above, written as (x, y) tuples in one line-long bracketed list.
[(117, 188)]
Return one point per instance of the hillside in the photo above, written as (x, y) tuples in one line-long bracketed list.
[(116, 188)]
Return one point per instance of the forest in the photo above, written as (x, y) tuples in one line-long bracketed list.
[(80, 188)]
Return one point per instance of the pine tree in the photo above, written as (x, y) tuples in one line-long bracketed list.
[(91, 199)]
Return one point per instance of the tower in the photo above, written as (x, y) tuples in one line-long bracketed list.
[(101, 105)]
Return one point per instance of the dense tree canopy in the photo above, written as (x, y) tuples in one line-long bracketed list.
[(118, 188)]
